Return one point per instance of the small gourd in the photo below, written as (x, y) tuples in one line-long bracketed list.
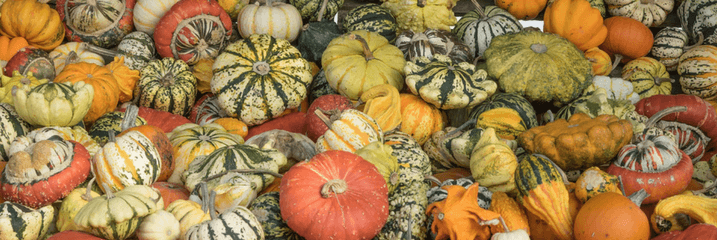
[(380, 155), (383, 104), (594, 181), (459, 216), (493, 163), (160, 225), (699, 208)]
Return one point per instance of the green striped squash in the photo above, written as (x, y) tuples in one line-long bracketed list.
[(651, 13), (595, 102), (533, 171), (448, 85), (239, 156), (433, 41), (239, 223), (451, 151), (137, 49), (648, 76), (257, 78), (670, 43), (191, 141), (12, 126), (696, 17), (508, 100), (266, 209), (373, 18), (21, 222), (349, 131), (697, 68), (167, 85), (315, 37), (309, 9), (129, 159), (478, 27), (413, 162), (100, 22), (109, 122)]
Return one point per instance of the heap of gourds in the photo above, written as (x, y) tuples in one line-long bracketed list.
[(233, 119)]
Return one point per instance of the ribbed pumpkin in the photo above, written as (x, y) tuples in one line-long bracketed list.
[(652, 13), (238, 222), (508, 100), (478, 27), (131, 159), (585, 29), (432, 42), (277, 19), (148, 12), (648, 76), (104, 84), (419, 118), (613, 216), (694, 15), (348, 131), (696, 68), (670, 44), (158, 138), (16, 80), (359, 60), (110, 122), (256, 87), (15, 127), (8, 46), (126, 78), (137, 48), (550, 55), (100, 22), (73, 52), (373, 18), (21, 222), (419, 15), (39, 24), (53, 104), (192, 30), (189, 213), (167, 85), (522, 9)]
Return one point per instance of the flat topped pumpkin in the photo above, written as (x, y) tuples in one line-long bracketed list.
[(580, 142)]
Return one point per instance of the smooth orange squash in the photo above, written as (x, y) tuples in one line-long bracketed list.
[(522, 9), (627, 38), (600, 60), (576, 21), (106, 89), (611, 216), (8, 47)]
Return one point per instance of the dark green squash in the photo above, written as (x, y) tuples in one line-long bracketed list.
[(320, 87), (316, 36), (109, 122), (373, 18), (167, 85), (21, 222), (266, 209), (508, 100), (452, 147), (693, 15), (309, 9)]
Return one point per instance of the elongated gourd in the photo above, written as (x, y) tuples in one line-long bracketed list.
[(700, 208)]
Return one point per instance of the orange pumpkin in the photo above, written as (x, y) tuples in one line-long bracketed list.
[(37, 22), (600, 60), (8, 47), (126, 78), (576, 21), (105, 86), (627, 38), (611, 216), (171, 192), (419, 118), (522, 9)]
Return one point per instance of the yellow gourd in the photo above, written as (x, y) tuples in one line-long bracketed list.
[(513, 215), (594, 181), (383, 104), (700, 208), (493, 163), (18, 80)]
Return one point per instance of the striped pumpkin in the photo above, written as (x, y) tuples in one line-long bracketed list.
[(648, 76), (110, 122), (431, 42), (167, 85), (670, 44), (21, 222), (448, 85), (31, 60), (193, 30), (478, 27), (191, 141), (309, 9), (414, 163), (148, 12), (696, 19), (137, 48), (258, 78), (238, 156), (12, 127), (101, 22), (277, 19), (419, 118), (266, 209), (652, 13), (76, 133), (73, 52), (373, 18), (508, 100), (239, 223), (348, 131), (697, 68), (130, 159)]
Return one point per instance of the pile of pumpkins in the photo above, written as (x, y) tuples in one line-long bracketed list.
[(231, 119)]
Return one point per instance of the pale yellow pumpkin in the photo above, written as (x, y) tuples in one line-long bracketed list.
[(73, 52), (278, 19), (160, 225)]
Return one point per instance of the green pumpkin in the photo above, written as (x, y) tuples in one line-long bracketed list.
[(508, 100), (266, 209), (167, 85), (373, 18), (14, 127), (448, 85), (19, 222), (100, 130), (309, 9), (478, 27), (257, 78), (542, 67), (315, 37)]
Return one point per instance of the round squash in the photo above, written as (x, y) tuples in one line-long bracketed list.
[(696, 68), (39, 24), (576, 21), (627, 38), (652, 13), (648, 76), (101, 22), (419, 15), (167, 85), (105, 87), (478, 27), (277, 19), (373, 18), (695, 18), (73, 52), (611, 216)]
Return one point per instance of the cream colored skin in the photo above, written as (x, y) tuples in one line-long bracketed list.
[(61, 110), (61, 55), (280, 20)]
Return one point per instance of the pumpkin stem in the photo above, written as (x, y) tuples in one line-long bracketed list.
[(251, 171), (322, 10), (700, 40), (98, 50), (72, 57), (435, 180), (261, 68), (203, 192), (471, 122), (421, 3), (212, 208), (618, 58), (322, 115), (88, 196), (479, 9), (638, 197), (538, 48), (335, 186), (662, 113), (366, 50), (622, 186), (130, 117), (110, 136), (108, 191), (659, 81)]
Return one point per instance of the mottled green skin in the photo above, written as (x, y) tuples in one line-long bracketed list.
[(373, 18), (266, 209)]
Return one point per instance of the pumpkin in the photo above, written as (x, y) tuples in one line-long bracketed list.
[(360, 60), (627, 38), (54, 104), (126, 78), (493, 163), (695, 68), (39, 24), (316, 36), (159, 225), (349, 130), (167, 85), (126, 160), (100, 22), (277, 19), (419, 15), (506, 60), (104, 84), (617, 88), (600, 60), (613, 216), (311, 9), (507, 122), (512, 101), (189, 213), (373, 18), (448, 85), (266, 209), (539, 228), (688, 138), (17, 79), (72, 204), (699, 208), (456, 216), (73, 52), (255, 88), (419, 118), (137, 48), (148, 12), (76, 133), (192, 30), (693, 17), (432, 42), (116, 216), (593, 181), (10, 46), (383, 104), (557, 140), (656, 165), (521, 9), (692, 232), (110, 122), (157, 136), (648, 76), (236, 223), (19, 222), (511, 213), (14, 127), (652, 13), (585, 30), (542, 192), (670, 44), (340, 176), (414, 164), (478, 28), (328, 104), (31, 60)]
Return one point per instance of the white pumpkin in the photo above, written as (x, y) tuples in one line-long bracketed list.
[(160, 225), (63, 55), (278, 19), (148, 12), (617, 88)]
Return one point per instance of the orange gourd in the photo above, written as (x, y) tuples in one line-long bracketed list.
[(8, 46), (513, 214), (37, 22), (126, 78), (627, 38), (576, 21), (522, 9), (611, 216), (459, 217), (233, 125), (419, 118), (105, 86), (600, 60), (539, 229)]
